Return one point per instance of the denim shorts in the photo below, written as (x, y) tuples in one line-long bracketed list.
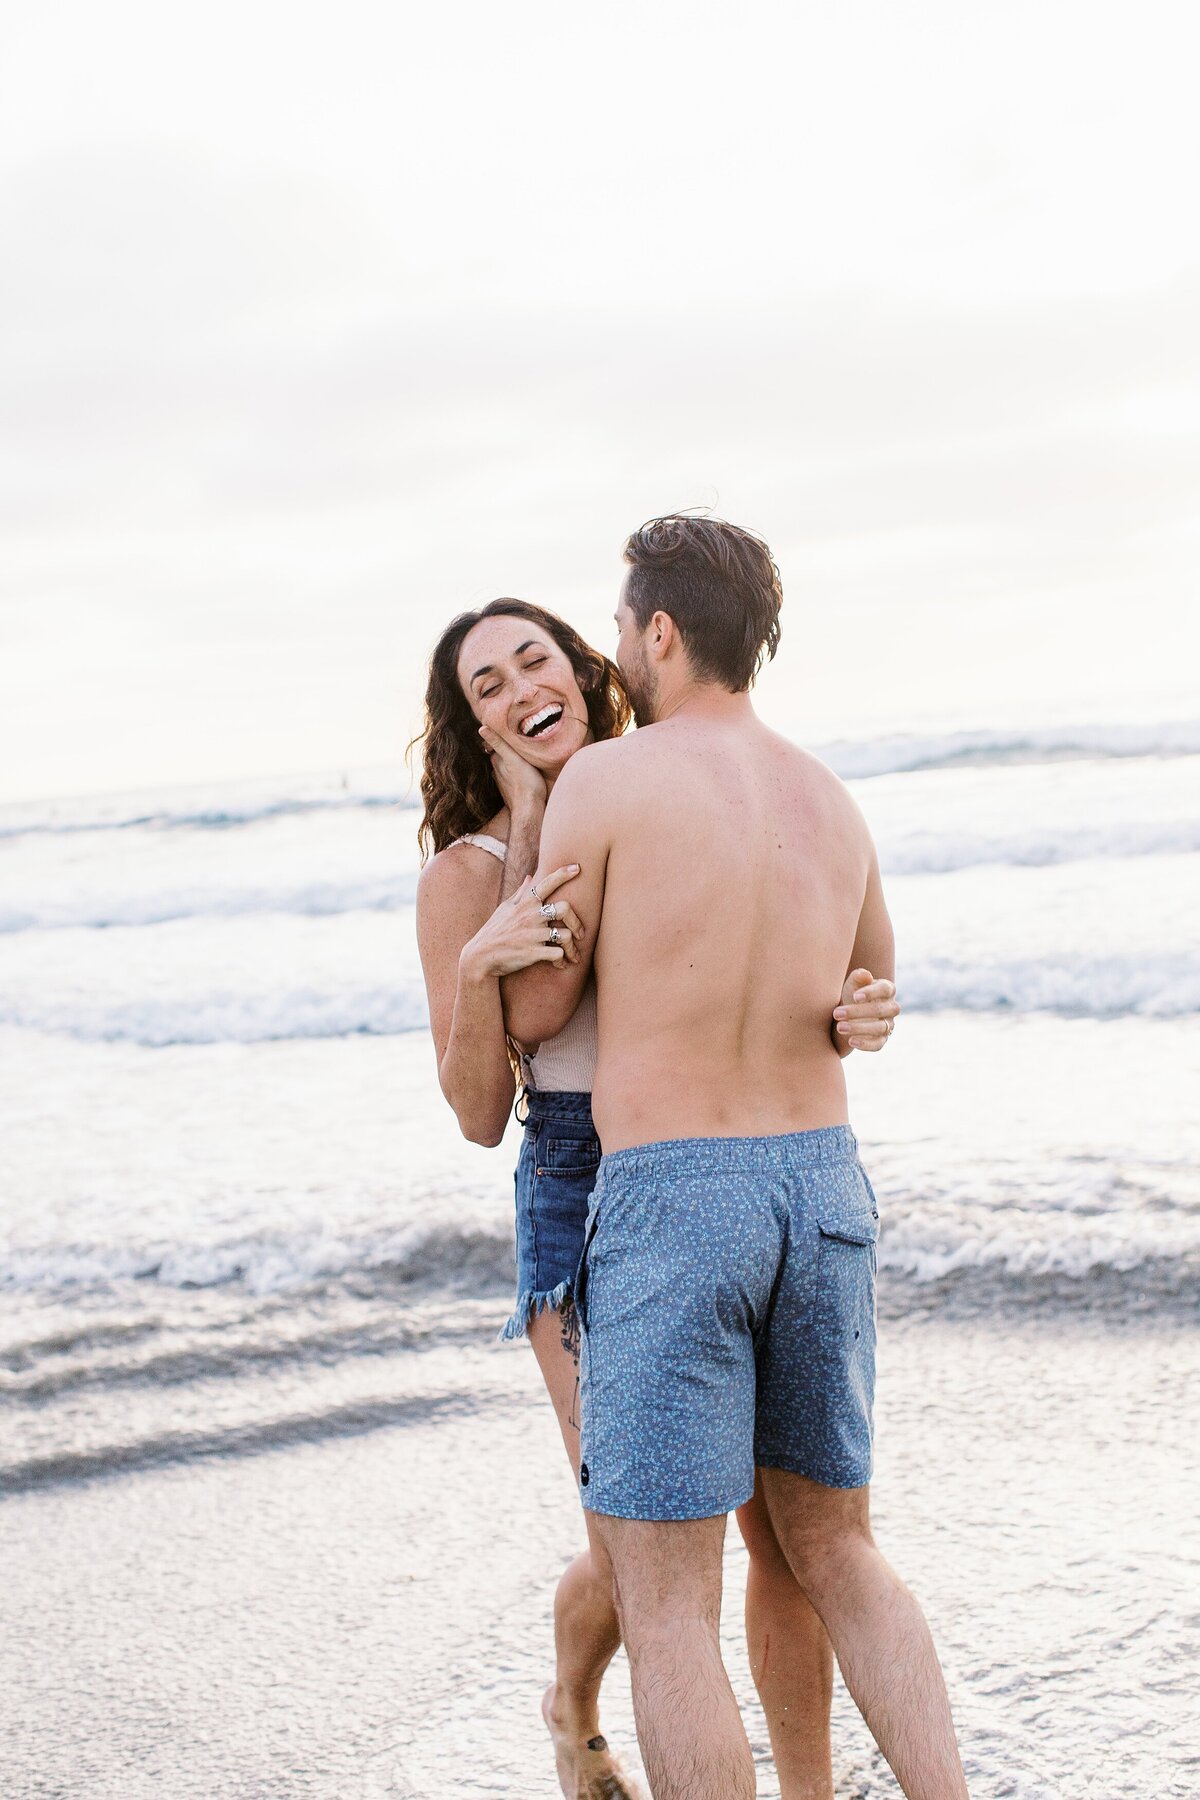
[(556, 1172), (727, 1298)]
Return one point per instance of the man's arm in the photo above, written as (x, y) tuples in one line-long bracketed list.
[(538, 1001)]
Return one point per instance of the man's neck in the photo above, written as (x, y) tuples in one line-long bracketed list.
[(703, 700)]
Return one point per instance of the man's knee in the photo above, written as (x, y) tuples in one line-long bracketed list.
[(665, 1575), (819, 1528)]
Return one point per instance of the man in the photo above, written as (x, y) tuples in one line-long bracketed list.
[(727, 883)]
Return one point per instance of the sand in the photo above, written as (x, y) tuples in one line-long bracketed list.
[(369, 1615)]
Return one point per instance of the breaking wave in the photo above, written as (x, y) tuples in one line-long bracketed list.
[(854, 759), (1081, 1228), (218, 807)]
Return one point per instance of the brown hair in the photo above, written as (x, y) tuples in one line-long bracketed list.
[(457, 784), (718, 583)]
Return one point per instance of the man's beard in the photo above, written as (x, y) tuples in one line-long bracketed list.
[(641, 684)]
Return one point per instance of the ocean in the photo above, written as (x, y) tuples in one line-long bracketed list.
[(278, 1515)]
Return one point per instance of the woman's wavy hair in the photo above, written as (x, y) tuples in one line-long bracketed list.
[(457, 784)]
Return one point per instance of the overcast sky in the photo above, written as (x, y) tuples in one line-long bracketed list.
[(318, 324)]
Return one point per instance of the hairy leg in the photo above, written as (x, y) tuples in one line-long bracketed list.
[(790, 1658), (586, 1633), (668, 1581), (879, 1633)]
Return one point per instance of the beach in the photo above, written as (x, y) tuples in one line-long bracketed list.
[(366, 1615), (278, 1515)]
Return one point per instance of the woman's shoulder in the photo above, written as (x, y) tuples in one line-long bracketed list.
[(463, 864)]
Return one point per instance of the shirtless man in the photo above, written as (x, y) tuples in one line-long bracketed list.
[(727, 884)]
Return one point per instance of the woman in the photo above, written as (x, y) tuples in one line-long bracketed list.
[(513, 693)]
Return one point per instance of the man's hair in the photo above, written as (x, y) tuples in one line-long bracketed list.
[(718, 583)]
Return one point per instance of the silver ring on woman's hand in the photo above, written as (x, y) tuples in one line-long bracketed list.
[(534, 892), (549, 909), (555, 935), (891, 1026)]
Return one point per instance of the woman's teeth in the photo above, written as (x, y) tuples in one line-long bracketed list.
[(542, 721)]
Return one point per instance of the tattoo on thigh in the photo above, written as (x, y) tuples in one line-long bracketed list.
[(569, 1319)]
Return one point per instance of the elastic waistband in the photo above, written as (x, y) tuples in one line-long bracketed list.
[(789, 1150), (543, 1105)]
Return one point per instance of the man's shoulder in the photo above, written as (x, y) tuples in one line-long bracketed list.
[(820, 786), (818, 770), (598, 766), (833, 798), (594, 789), (811, 766)]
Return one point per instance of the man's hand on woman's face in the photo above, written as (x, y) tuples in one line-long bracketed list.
[(868, 1011), (522, 787)]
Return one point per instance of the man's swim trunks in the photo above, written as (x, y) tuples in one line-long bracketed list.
[(727, 1296)]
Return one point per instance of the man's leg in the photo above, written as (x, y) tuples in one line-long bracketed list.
[(790, 1659), (668, 1583), (879, 1634)]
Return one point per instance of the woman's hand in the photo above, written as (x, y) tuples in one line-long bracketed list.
[(529, 928), (522, 787), (868, 1011)]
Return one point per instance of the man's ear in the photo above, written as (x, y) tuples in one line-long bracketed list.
[(666, 636)]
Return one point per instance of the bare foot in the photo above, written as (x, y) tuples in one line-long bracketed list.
[(587, 1769)]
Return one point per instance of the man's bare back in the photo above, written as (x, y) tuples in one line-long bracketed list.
[(735, 885)]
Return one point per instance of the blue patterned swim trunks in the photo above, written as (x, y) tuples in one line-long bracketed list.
[(727, 1297)]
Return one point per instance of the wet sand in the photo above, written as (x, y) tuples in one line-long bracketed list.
[(369, 1616)]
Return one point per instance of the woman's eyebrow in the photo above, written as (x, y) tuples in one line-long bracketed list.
[(490, 668)]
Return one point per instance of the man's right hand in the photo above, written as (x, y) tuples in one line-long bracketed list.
[(520, 932)]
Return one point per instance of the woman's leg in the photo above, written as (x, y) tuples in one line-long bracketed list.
[(791, 1661), (586, 1633)]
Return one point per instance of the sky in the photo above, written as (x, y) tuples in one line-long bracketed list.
[(318, 325)]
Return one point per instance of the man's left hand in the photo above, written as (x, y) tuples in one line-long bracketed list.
[(868, 1011)]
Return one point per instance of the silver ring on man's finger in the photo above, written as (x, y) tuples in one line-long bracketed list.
[(891, 1026)]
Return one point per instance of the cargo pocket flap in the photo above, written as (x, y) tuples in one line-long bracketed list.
[(857, 1227)]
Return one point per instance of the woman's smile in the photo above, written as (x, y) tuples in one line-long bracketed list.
[(544, 721)]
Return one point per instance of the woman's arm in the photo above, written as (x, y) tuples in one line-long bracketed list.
[(467, 943), (866, 1015), (864, 1018), (455, 895)]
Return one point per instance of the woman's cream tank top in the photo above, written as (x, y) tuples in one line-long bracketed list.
[(565, 1064)]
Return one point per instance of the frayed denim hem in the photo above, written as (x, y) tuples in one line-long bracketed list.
[(529, 1305)]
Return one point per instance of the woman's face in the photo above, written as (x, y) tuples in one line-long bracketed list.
[(522, 686)]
